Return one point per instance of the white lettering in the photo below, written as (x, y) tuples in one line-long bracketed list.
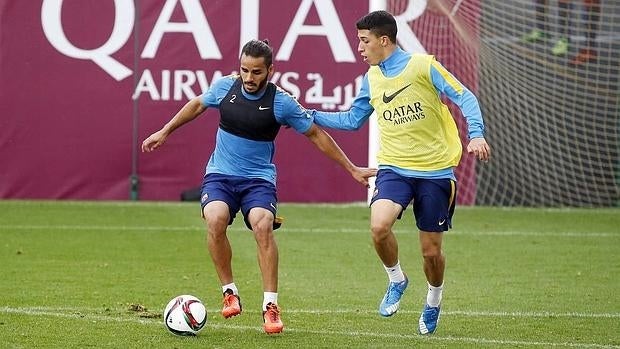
[(330, 27), (196, 24), (375, 5), (249, 22), (181, 84), (165, 85), (202, 79), (285, 83), (183, 81), (146, 84), (51, 20), (406, 37)]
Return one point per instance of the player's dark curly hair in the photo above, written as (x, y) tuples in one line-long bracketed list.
[(257, 49), (379, 23)]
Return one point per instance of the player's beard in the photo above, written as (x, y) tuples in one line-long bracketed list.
[(260, 87)]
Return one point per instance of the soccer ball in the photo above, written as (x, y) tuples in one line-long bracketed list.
[(185, 315)]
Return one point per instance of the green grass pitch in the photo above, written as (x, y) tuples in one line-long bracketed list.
[(86, 274)]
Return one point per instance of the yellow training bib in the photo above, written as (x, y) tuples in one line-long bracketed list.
[(416, 129)]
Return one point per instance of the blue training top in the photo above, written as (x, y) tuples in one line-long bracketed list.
[(238, 156)]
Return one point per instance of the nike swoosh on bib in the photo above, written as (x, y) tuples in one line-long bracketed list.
[(388, 99)]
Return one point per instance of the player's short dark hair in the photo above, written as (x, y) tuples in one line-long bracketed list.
[(257, 49), (379, 23)]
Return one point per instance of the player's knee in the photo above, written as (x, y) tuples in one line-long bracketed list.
[(432, 254), (380, 232), (263, 229), (216, 221)]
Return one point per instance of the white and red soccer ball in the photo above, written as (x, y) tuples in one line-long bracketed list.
[(185, 315)]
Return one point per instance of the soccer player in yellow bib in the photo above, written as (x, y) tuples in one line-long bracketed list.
[(419, 147)]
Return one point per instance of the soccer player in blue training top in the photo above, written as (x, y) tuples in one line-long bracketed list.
[(240, 174), (419, 147)]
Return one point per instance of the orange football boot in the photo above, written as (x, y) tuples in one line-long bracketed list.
[(232, 304), (271, 317)]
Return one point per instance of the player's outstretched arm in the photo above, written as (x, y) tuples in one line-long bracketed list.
[(328, 146), (189, 112)]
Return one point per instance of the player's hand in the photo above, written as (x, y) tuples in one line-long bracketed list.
[(480, 148), (154, 141), (361, 174)]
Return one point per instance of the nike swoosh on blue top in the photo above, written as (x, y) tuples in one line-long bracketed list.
[(388, 99)]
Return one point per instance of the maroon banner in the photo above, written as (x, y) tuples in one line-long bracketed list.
[(83, 82)]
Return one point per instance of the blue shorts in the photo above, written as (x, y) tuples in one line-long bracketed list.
[(433, 199), (239, 193)]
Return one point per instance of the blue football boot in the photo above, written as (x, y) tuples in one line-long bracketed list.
[(391, 301), (429, 319)]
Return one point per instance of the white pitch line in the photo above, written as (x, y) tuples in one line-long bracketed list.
[(546, 314), (455, 313), (303, 230), (362, 311), (518, 314), (434, 338), (331, 205)]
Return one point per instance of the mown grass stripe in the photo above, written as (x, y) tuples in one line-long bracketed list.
[(465, 313), (304, 230), (334, 205), (435, 338)]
